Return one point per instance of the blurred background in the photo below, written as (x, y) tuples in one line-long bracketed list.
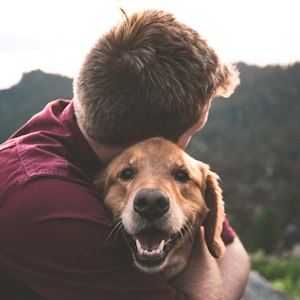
[(55, 35), (251, 140)]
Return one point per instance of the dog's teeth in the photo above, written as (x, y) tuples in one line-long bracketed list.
[(161, 245), (138, 244), (139, 247), (141, 251)]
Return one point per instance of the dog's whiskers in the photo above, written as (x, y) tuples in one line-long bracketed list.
[(120, 227), (188, 229), (117, 227)]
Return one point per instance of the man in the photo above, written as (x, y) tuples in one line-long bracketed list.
[(149, 76)]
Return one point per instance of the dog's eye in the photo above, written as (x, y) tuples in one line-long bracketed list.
[(126, 174), (182, 176)]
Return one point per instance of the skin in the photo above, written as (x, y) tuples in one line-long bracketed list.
[(214, 279), (204, 276)]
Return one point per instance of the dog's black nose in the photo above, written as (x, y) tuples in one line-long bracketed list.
[(151, 203)]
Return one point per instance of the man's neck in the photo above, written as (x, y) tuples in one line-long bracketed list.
[(106, 153)]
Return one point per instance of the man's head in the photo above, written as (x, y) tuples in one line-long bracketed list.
[(150, 75)]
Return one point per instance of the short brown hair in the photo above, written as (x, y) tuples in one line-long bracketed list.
[(150, 75)]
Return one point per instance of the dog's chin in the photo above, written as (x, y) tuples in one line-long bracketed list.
[(152, 247)]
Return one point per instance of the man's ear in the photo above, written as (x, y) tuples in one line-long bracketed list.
[(213, 223)]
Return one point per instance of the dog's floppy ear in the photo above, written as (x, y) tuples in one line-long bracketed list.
[(213, 223)]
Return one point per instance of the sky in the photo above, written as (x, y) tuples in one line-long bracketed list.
[(55, 35)]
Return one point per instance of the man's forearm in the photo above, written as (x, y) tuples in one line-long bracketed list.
[(218, 279), (235, 268)]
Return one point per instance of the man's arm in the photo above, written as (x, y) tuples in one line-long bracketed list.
[(217, 279), (235, 268), (55, 240)]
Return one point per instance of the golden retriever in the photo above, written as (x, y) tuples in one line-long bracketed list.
[(160, 197)]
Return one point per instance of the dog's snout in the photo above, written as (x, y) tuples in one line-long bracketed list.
[(151, 203)]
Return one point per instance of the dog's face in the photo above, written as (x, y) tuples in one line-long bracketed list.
[(161, 196)]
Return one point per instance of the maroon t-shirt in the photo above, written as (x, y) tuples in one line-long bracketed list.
[(54, 231)]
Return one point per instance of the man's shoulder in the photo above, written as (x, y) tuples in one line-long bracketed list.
[(21, 160), (50, 144)]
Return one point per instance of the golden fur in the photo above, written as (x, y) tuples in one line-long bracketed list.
[(191, 198)]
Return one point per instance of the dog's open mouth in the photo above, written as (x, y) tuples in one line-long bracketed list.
[(152, 246)]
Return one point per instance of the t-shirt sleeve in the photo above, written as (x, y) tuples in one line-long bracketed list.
[(228, 234), (59, 241)]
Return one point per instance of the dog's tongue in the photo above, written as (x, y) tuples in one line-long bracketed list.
[(151, 240)]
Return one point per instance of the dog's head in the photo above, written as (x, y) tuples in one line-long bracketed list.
[(162, 196)]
